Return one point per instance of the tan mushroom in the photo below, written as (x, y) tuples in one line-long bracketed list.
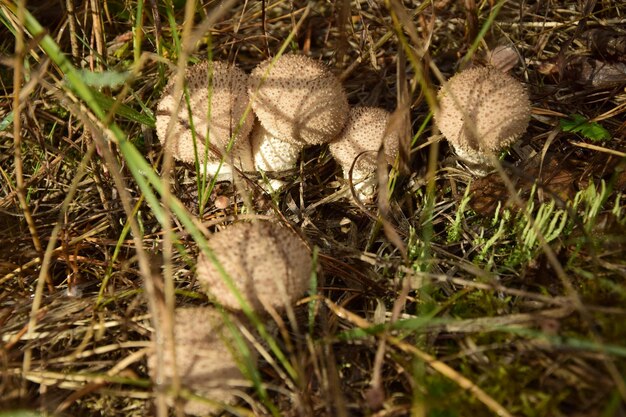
[(481, 112), (215, 120), (269, 264), (364, 133), (298, 102), (205, 361)]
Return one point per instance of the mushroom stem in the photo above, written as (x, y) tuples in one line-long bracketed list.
[(273, 154), (364, 183), (222, 172)]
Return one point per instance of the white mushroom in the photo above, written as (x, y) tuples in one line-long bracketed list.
[(269, 264), (364, 133), (205, 360), (482, 111), (272, 154), (298, 102), (218, 100)]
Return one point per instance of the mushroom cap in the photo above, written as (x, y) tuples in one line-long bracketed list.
[(482, 110), (204, 360), (269, 264), (298, 99), (364, 132), (226, 85)]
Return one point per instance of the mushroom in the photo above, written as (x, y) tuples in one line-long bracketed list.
[(268, 264), (215, 120), (364, 133), (299, 102), (204, 359), (272, 154), (482, 111)]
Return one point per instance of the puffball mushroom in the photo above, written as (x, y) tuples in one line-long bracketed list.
[(269, 265), (482, 111), (299, 102), (204, 360), (272, 154), (364, 133), (218, 100)]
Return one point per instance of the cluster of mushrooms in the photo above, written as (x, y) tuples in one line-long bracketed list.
[(270, 267), (295, 102)]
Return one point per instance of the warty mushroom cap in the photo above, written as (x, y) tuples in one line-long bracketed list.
[(269, 264), (482, 110), (226, 85), (297, 99), (362, 136), (204, 360)]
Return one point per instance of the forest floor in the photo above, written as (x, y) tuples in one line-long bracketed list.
[(450, 295)]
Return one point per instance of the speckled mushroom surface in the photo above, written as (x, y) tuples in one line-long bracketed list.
[(204, 360), (362, 136), (268, 263), (297, 99), (218, 99), (482, 110), (271, 153)]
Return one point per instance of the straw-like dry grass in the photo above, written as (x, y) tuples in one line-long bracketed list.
[(455, 296)]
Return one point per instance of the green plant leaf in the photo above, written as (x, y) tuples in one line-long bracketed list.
[(590, 130), (104, 79), (6, 122), (128, 113)]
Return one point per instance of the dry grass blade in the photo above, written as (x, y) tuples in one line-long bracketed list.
[(437, 365), (453, 375), (450, 295), (20, 52), (599, 149)]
